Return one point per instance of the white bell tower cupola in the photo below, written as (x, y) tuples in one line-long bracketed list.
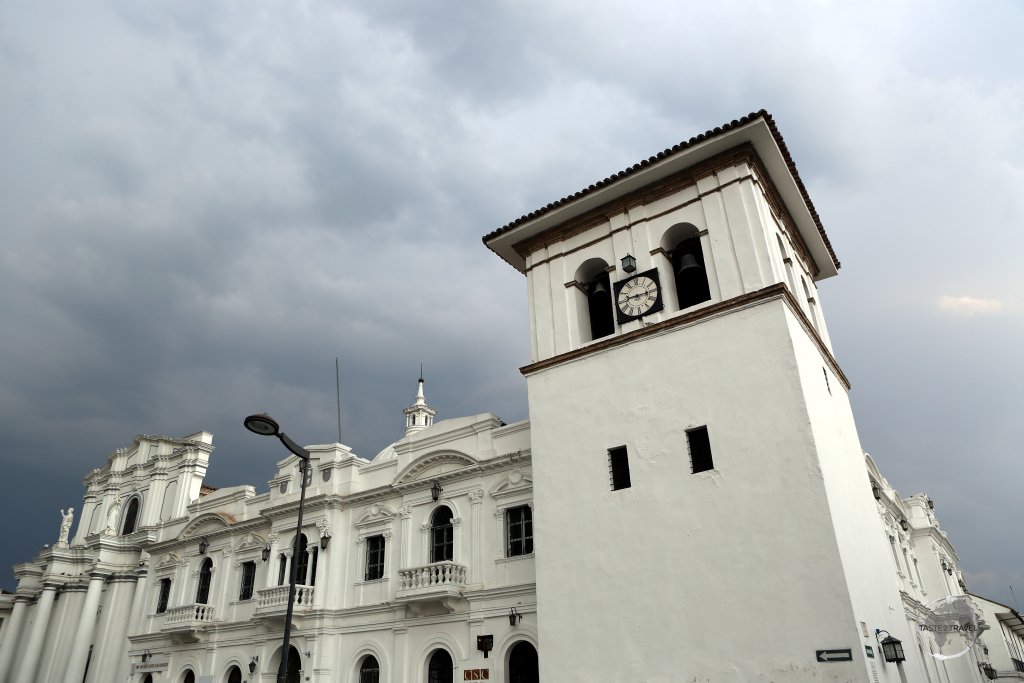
[(419, 415)]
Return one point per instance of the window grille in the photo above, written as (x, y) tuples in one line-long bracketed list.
[(519, 531), (374, 558), (248, 581)]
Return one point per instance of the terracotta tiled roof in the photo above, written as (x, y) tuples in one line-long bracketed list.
[(736, 123)]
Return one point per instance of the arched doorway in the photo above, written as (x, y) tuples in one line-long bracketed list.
[(205, 577), (440, 669), (148, 678), (294, 673), (442, 535), (522, 664), (369, 670), (189, 677), (235, 675)]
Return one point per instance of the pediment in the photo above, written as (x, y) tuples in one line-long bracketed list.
[(375, 513), (513, 483), (251, 541), (168, 560), (207, 524), (435, 464)]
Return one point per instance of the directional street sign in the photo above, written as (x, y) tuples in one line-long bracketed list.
[(835, 655)]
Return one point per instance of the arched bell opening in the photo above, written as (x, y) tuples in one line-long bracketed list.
[(594, 300), (682, 244)]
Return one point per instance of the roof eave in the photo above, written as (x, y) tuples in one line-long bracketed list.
[(757, 132)]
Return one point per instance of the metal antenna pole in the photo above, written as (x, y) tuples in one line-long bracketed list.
[(337, 384)]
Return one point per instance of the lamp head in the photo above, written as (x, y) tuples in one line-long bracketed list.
[(262, 424)]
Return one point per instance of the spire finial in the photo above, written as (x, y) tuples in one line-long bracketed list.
[(419, 415)]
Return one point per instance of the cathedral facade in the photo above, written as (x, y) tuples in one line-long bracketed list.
[(689, 500)]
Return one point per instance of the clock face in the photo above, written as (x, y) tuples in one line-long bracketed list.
[(638, 296)]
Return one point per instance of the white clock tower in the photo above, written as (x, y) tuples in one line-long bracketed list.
[(704, 512)]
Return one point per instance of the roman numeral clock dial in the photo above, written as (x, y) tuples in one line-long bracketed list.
[(638, 296)]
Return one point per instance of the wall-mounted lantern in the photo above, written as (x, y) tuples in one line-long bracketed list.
[(266, 552), (252, 664), (204, 543), (435, 490), (892, 648), (628, 263), (875, 491), (324, 540), (146, 655), (989, 671), (514, 617), (904, 524), (485, 644), (931, 504)]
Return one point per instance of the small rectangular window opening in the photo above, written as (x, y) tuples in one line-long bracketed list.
[(827, 385), (700, 449), (618, 464)]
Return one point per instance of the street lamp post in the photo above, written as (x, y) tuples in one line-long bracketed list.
[(264, 425)]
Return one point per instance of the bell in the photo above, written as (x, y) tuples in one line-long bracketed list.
[(687, 262), (599, 288)]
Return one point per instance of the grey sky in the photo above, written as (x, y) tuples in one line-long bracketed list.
[(204, 203)]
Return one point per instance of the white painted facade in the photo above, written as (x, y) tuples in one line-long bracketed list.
[(741, 571)]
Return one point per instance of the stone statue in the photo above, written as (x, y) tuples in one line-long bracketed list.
[(66, 519), (112, 515)]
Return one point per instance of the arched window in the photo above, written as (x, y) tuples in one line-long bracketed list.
[(235, 675), (282, 564), (205, 576), (131, 517), (522, 664), (189, 677), (369, 670), (301, 560), (148, 678), (440, 669), (442, 543), (594, 300)]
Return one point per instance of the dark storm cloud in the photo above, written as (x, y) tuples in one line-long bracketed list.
[(204, 205)]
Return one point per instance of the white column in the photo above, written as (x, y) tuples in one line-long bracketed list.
[(34, 647), (273, 562), (288, 564), (11, 636), (110, 642), (139, 602), (83, 634)]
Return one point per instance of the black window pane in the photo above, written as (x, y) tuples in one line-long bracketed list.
[(519, 531), (165, 594), (618, 462), (248, 581), (369, 672), (374, 558), (442, 535), (700, 449), (205, 576)]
